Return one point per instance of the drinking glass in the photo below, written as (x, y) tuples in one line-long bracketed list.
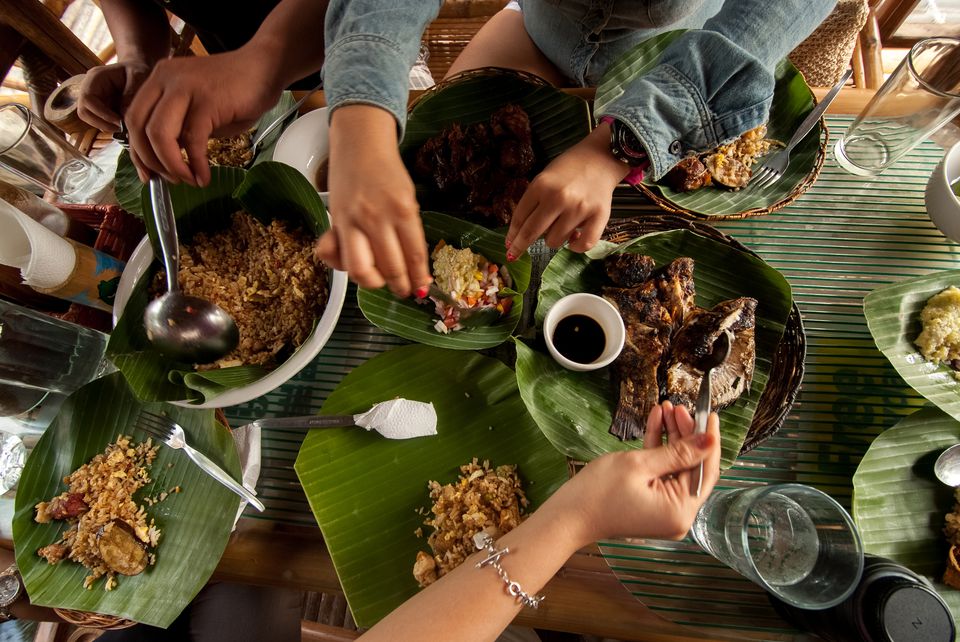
[(793, 540), (920, 96), (35, 152), (41, 352)]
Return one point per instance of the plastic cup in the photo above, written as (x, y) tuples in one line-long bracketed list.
[(793, 540), (919, 97), (37, 154)]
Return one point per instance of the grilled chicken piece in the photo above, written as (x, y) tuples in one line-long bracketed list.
[(674, 283), (635, 372), (695, 341), (628, 270)]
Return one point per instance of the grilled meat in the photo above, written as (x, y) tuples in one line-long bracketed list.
[(628, 270), (695, 341), (636, 370), (687, 175), (675, 286)]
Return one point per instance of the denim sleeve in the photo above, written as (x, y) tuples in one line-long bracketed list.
[(713, 84), (371, 46)]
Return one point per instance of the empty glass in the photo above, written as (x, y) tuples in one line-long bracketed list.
[(920, 96), (35, 152), (41, 352), (793, 540)]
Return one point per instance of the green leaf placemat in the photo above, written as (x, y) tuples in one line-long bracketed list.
[(792, 101), (268, 191), (195, 523), (899, 505), (127, 184), (558, 120), (575, 409), (365, 490), (410, 320), (893, 317)]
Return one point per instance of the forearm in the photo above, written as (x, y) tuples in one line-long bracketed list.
[(140, 30), (470, 603), (291, 37)]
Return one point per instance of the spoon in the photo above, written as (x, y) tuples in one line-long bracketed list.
[(947, 467), (185, 328), (266, 131), (721, 348)]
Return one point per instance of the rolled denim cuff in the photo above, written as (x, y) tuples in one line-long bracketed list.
[(367, 69), (670, 118)]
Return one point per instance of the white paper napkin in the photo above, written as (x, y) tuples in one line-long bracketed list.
[(45, 260), (247, 439)]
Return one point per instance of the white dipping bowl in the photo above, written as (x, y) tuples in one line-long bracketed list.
[(598, 309), (943, 206), (139, 264), (304, 145)]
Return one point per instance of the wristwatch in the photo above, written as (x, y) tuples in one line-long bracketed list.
[(624, 145), (11, 590)]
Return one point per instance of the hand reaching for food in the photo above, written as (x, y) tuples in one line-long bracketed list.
[(107, 91), (377, 236), (186, 100), (569, 201)]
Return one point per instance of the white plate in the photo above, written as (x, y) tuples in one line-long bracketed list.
[(305, 144), (943, 206), (139, 264)]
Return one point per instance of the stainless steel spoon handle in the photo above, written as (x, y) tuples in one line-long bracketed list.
[(701, 415), (223, 477), (279, 119), (166, 229), (309, 421)]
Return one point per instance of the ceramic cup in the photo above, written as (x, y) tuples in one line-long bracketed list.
[(943, 205), (598, 309)]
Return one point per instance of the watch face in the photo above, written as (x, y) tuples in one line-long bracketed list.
[(9, 587)]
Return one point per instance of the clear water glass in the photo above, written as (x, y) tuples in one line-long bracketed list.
[(13, 454), (793, 540), (919, 97)]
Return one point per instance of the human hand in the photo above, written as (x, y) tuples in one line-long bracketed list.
[(644, 493), (569, 200), (377, 235), (186, 100), (108, 90)]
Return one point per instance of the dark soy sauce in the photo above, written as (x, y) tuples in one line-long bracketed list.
[(579, 338)]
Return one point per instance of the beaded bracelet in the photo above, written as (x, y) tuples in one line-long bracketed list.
[(483, 541)]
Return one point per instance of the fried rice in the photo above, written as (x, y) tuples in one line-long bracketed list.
[(482, 499), (265, 276), (99, 493)]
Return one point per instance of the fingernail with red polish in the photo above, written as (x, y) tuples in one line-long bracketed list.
[(511, 256), (702, 441), (422, 292)]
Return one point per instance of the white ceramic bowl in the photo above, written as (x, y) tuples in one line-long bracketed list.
[(305, 144), (139, 264), (598, 309), (943, 206)]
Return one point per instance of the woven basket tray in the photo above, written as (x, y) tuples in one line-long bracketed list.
[(786, 373)]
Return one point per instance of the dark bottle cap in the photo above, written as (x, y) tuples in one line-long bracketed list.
[(910, 612)]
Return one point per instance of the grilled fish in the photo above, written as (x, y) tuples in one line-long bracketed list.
[(695, 341)]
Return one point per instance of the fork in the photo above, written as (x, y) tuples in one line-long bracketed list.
[(171, 433), (775, 165)]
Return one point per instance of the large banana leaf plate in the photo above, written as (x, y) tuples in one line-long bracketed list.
[(365, 490), (410, 320), (898, 504), (792, 101), (575, 409), (195, 523), (893, 316)]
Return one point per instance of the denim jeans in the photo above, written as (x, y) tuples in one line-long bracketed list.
[(711, 84)]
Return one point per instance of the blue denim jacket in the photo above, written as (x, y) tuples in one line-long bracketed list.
[(711, 84)]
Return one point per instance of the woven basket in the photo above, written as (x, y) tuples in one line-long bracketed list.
[(786, 373)]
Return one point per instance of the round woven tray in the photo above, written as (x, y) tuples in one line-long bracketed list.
[(480, 72), (799, 189), (786, 372)]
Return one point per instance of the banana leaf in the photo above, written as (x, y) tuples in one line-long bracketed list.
[(410, 320), (575, 409), (558, 120), (365, 490), (792, 101), (893, 317), (268, 191), (195, 523), (127, 184), (899, 505)]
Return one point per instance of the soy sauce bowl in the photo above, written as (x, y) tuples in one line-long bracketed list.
[(596, 308)]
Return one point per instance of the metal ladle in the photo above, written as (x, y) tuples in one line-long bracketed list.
[(182, 327), (947, 467)]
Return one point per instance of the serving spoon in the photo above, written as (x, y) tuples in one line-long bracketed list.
[(947, 466), (182, 327), (721, 348)]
